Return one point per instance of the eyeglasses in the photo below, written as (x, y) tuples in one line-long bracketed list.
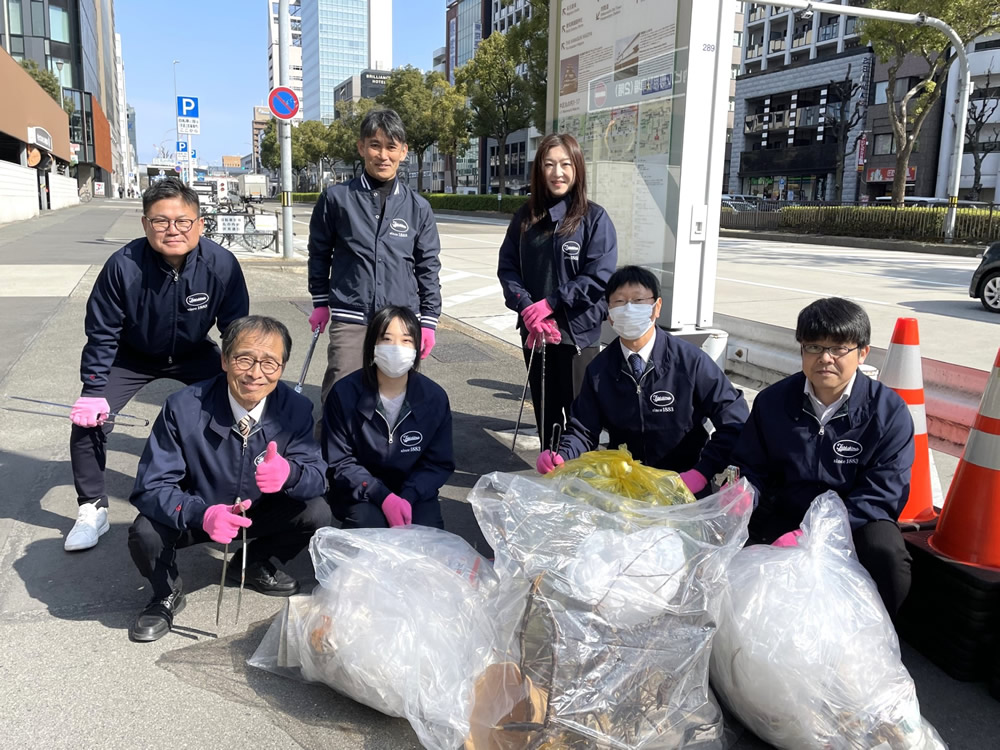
[(622, 302), (835, 351), (182, 225), (267, 366)]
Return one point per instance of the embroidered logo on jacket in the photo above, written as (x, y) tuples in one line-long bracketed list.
[(847, 451), (571, 249), (398, 228), (662, 401), (410, 441), (197, 301), (260, 459)]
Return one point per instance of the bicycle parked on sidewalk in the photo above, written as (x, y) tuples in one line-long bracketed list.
[(85, 195)]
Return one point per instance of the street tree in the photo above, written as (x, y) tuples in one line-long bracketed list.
[(313, 135), (981, 132), (270, 149), (530, 42), (455, 126), (411, 94), (892, 42), (499, 96), (846, 94), (343, 132)]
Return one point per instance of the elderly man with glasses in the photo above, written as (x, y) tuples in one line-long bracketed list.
[(830, 427), (229, 453), (148, 317)]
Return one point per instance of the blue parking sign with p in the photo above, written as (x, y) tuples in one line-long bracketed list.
[(187, 106), (182, 147)]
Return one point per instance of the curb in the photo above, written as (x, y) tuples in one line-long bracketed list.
[(863, 243)]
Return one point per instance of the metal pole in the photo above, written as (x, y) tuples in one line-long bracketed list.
[(177, 135), (913, 19), (285, 131)]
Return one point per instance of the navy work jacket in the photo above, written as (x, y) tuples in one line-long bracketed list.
[(195, 458), (145, 313), (368, 460), (584, 261), (864, 453), (357, 267), (660, 418)]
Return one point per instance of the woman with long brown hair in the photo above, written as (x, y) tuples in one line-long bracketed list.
[(558, 254)]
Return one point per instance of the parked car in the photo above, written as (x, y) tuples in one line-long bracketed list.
[(985, 283), (739, 206)]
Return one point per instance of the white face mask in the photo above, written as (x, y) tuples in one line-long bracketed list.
[(631, 321), (394, 361)]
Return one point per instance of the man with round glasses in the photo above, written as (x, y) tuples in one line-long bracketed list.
[(831, 428), (148, 317), (231, 453)]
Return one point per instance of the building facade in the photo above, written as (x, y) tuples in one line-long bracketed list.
[(295, 51), (465, 21), (340, 38), (367, 84), (258, 124)]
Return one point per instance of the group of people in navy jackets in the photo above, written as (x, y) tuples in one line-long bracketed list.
[(236, 450)]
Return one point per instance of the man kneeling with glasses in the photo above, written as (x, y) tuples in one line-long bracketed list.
[(233, 452), (148, 317), (829, 428)]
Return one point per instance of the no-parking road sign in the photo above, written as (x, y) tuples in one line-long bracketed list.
[(283, 103)]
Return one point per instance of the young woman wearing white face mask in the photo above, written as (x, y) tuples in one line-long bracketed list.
[(559, 252), (387, 432), (653, 392)]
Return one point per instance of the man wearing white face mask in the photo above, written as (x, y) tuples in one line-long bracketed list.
[(387, 432), (652, 392)]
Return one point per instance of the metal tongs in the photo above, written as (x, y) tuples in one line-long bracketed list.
[(524, 393), (114, 417), (305, 365), (225, 568)]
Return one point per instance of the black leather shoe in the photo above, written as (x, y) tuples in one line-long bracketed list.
[(265, 578), (157, 618)]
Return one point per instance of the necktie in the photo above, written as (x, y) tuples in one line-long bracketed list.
[(638, 366), (245, 425)]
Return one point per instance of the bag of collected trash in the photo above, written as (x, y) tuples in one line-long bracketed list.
[(616, 472), (605, 613), (399, 622), (806, 656)]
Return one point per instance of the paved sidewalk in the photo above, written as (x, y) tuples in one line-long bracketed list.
[(69, 677)]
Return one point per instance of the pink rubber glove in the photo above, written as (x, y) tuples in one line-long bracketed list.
[(89, 411), (552, 335), (273, 471), (427, 341), (791, 539), (534, 314), (320, 317), (222, 522), (397, 510), (743, 503), (694, 481), (547, 461)]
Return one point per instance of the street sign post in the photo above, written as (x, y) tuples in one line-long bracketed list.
[(189, 123), (283, 103)]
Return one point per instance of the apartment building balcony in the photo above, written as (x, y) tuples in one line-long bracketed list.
[(757, 13), (776, 45), (802, 40), (755, 51), (829, 32), (851, 27)]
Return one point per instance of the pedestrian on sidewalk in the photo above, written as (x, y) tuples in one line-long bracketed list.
[(387, 432), (372, 242), (559, 251), (229, 453), (831, 428), (148, 317), (653, 392)]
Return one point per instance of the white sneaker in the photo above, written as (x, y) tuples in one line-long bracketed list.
[(91, 522)]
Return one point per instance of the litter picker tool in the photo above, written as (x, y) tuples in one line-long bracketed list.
[(243, 567), (225, 569), (541, 422), (222, 585), (524, 396), (115, 417), (556, 437), (309, 356)]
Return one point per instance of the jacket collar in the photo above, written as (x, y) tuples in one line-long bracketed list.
[(368, 399), (856, 407), (660, 358), (221, 414), (366, 184), (189, 261), (558, 212)]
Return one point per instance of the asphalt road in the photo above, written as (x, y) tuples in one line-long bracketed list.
[(69, 677)]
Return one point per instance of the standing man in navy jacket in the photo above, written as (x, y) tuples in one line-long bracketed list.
[(373, 242), (233, 452), (830, 428), (148, 317), (653, 392)]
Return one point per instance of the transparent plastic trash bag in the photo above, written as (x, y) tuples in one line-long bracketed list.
[(806, 656), (399, 622), (605, 615), (616, 472)]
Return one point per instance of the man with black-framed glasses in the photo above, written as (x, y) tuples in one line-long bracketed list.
[(231, 453), (830, 427), (148, 317)]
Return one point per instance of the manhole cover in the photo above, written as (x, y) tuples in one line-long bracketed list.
[(452, 353)]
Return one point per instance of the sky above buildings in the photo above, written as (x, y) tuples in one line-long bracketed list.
[(222, 49)]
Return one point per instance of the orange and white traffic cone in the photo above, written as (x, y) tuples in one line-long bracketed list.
[(969, 528), (903, 373)]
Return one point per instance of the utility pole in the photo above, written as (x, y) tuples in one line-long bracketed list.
[(177, 135), (285, 131)]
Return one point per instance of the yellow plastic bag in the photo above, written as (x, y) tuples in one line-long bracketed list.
[(615, 471)]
